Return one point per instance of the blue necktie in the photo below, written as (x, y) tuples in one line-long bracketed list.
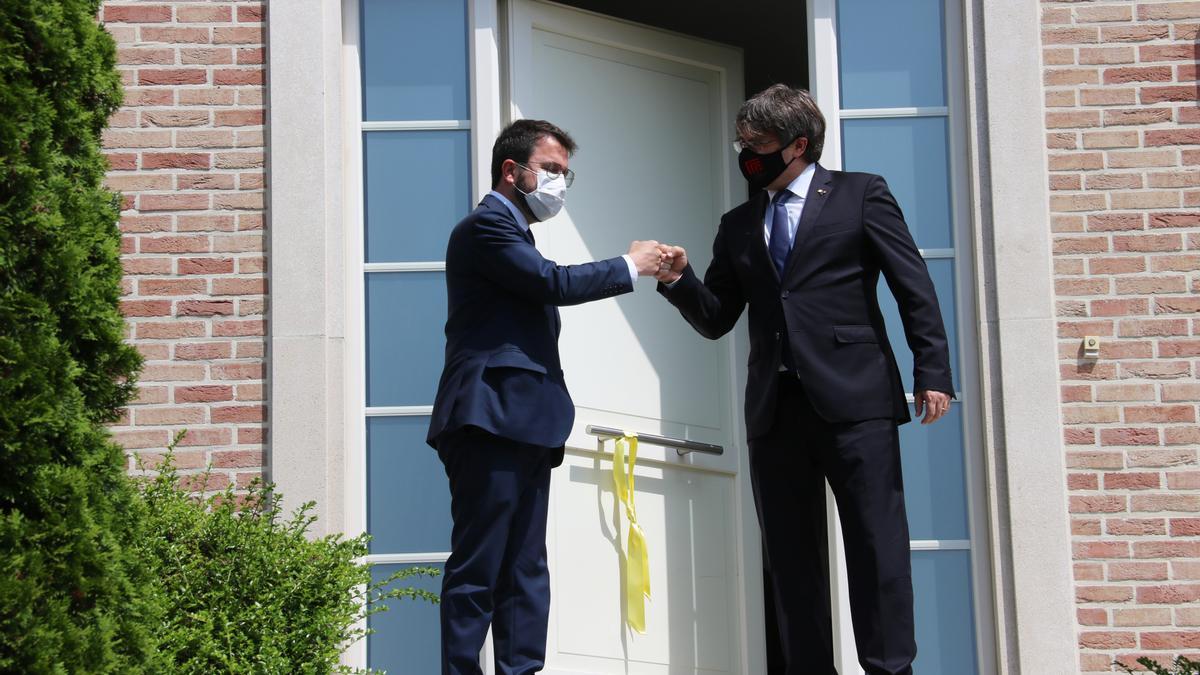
[(780, 238)]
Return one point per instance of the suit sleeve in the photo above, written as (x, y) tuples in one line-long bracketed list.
[(713, 306), (508, 260), (908, 278)]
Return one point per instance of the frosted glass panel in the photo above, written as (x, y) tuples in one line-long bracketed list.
[(942, 273), (910, 153), (414, 59), (944, 619), (408, 497), (890, 53), (406, 318), (934, 495), (408, 637), (418, 186)]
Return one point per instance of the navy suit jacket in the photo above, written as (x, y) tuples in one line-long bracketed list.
[(824, 309), (502, 371)]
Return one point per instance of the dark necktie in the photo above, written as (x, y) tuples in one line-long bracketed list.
[(780, 239)]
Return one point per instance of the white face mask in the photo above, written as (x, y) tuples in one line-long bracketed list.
[(546, 200)]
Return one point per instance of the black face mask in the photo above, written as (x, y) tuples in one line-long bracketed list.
[(760, 170)]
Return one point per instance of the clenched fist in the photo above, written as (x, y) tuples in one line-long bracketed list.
[(646, 257), (674, 259)]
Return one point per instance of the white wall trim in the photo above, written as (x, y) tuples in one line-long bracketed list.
[(306, 250), (1029, 524)]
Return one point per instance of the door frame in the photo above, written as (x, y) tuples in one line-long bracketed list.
[(557, 18)]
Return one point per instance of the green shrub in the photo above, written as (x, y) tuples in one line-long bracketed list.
[(246, 591), (71, 597)]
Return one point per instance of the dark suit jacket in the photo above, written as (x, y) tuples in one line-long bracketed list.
[(824, 310), (502, 371)]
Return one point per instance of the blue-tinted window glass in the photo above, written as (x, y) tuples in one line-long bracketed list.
[(890, 53), (406, 317), (414, 59), (409, 636), (943, 613), (942, 273), (408, 498), (418, 185), (911, 154), (934, 495)]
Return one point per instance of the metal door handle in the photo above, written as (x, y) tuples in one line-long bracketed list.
[(681, 446)]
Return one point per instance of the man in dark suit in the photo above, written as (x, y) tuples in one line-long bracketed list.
[(823, 393), (502, 411)]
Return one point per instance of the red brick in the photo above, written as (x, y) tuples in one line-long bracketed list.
[(1137, 571), (182, 244), (1151, 285), (145, 55), (1166, 502), (250, 56), (174, 76), (1090, 550), (176, 160), (136, 13), (254, 286), (175, 35), (1170, 640), (238, 414), (1079, 436), (251, 435), (1091, 617), (1148, 242), (1075, 161), (1057, 77), (130, 308), (1098, 503), (1129, 436), (204, 482), (144, 266), (1090, 414), (1123, 117), (204, 308), (1079, 329), (1107, 640), (207, 436), (1105, 55), (1126, 349), (238, 76), (1138, 74), (1150, 327), (1074, 119), (1130, 159), (237, 459), (1114, 181), (1108, 96), (1137, 33), (1135, 526), (172, 118), (1165, 414), (173, 202), (240, 160), (1131, 481), (1183, 480), (1161, 457), (205, 223), (140, 438), (238, 371), (1087, 371), (1123, 307), (1177, 305), (1181, 392), (204, 181), (205, 265), (1142, 616), (1151, 11), (1095, 460), (1156, 369), (168, 330), (171, 372), (1173, 137), (1169, 220), (239, 35), (1159, 94), (218, 14), (203, 351), (236, 328), (1185, 527), (203, 393), (1122, 265), (1174, 179), (1166, 549), (1125, 392), (1106, 594), (1084, 481)]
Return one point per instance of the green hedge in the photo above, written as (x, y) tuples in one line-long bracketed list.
[(71, 597)]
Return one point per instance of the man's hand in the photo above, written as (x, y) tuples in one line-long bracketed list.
[(646, 257), (933, 403), (674, 259)]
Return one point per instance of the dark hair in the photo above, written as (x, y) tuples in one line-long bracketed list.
[(786, 113), (516, 142)]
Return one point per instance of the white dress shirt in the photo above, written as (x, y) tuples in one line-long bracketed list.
[(794, 205), (524, 225)]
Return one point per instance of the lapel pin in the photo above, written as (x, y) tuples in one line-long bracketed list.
[(822, 191)]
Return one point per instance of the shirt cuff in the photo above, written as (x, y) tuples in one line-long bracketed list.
[(633, 275), (672, 284)]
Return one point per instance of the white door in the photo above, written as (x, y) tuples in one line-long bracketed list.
[(652, 113)]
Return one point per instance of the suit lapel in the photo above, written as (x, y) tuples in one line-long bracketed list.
[(814, 201)]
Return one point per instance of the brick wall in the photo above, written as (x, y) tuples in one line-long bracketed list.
[(1123, 135), (187, 152)]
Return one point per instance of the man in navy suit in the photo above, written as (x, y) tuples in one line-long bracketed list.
[(502, 411), (823, 392)]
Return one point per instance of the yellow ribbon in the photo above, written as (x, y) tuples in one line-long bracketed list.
[(637, 561)]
